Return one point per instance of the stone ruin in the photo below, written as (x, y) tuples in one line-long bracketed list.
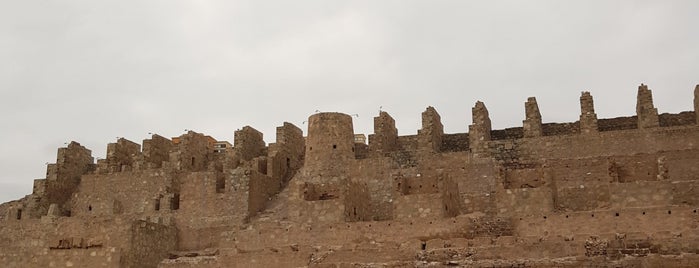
[(619, 192)]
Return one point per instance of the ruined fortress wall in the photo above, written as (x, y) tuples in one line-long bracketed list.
[(659, 221), (205, 210), (156, 150), (358, 202), (620, 190), (63, 241), (287, 154), (371, 189), (122, 155), (138, 192), (625, 142), (150, 244), (682, 165), (455, 142), (261, 188), (430, 135), (192, 152), (248, 143), (71, 163), (385, 137)]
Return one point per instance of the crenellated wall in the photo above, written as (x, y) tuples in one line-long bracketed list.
[(621, 191)]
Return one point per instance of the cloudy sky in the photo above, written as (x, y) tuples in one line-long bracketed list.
[(91, 71)]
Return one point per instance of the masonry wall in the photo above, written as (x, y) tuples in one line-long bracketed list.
[(606, 189), (139, 192), (248, 143), (156, 150), (63, 178), (385, 137), (204, 212), (122, 155), (606, 143), (193, 152), (430, 135), (261, 188), (150, 243), (372, 189), (287, 154), (64, 242)]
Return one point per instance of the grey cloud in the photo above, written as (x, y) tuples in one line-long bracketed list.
[(91, 71)]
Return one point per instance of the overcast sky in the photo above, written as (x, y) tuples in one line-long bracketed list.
[(91, 71)]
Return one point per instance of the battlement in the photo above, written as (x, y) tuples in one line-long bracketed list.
[(592, 191)]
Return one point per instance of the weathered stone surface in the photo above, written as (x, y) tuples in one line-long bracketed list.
[(620, 192)]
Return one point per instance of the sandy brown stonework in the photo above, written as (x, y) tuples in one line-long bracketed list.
[(619, 192)]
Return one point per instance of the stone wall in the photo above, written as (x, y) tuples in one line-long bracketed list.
[(430, 136), (122, 155), (248, 143), (287, 154), (193, 152), (156, 150), (139, 192), (150, 244), (63, 178), (619, 191), (385, 137)]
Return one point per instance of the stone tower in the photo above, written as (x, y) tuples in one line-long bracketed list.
[(330, 141)]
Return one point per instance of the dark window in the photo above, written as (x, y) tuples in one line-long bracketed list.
[(19, 214), (157, 204), (220, 184), (175, 202), (334, 146)]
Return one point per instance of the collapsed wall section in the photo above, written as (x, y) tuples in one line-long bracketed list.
[(62, 179), (248, 143)]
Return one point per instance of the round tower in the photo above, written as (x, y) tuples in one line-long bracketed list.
[(330, 139)]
